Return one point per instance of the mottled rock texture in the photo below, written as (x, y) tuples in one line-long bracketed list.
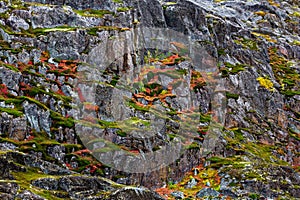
[(250, 53)]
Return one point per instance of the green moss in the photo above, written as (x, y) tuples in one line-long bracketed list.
[(61, 120), (167, 4), (232, 96), (121, 133), (221, 52), (247, 43), (124, 9), (4, 15), (8, 66), (231, 69), (92, 13), (42, 31), (70, 148), (264, 36), (24, 179), (93, 31), (194, 145), (137, 107), (12, 111), (235, 162), (286, 76), (290, 93), (238, 134), (254, 196), (118, 1)]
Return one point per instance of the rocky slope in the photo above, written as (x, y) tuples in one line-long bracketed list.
[(232, 64)]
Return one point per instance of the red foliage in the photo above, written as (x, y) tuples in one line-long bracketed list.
[(60, 92), (69, 166), (82, 152), (81, 97), (171, 60), (30, 137), (24, 86), (3, 90), (135, 151), (94, 167)]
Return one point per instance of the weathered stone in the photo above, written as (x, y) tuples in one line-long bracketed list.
[(28, 195), (134, 193), (17, 23), (178, 195), (207, 192), (10, 78)]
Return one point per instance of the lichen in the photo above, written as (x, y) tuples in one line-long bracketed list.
[(266, 83)]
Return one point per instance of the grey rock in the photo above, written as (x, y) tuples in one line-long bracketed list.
[(7, 146), (46, 183), (207, 192), (5, 36), (80, 5), (38, 118), (57, 152), (43, 17), (17, 23), (6, 196), (192, 183), (35, 54), (10, 78), (24, 57), (10, 188), (33, 161), (15, 128), (134, 193), (28, 195), (178, 195)]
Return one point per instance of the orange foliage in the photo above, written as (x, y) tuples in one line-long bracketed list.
[(91, 107), (82, 152)]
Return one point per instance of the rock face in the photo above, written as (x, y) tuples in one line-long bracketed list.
[(122, 79)]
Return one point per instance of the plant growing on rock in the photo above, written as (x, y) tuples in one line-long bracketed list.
[(266, 83)]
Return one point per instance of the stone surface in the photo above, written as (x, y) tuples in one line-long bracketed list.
[(48, 50)]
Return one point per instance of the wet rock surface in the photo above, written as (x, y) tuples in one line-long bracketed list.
[(248, 55)]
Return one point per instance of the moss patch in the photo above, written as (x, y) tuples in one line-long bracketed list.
[(92, 13)]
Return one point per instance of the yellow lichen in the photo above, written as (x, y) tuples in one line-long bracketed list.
[(267, 37), (266, 83), (260, 13)]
